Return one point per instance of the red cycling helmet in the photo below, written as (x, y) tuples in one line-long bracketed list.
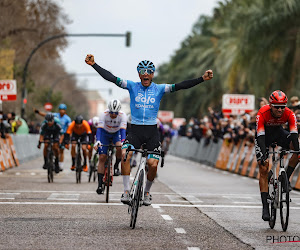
[(278, 98)]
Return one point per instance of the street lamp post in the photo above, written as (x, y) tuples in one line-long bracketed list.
[(127, 35)]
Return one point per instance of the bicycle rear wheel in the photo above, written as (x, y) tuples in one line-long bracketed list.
[(108, 179), (272, 194), (136, 200), (284, 201)]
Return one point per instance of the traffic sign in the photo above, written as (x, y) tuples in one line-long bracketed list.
[(48, 106)]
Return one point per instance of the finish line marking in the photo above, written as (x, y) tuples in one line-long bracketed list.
[(121, 204)]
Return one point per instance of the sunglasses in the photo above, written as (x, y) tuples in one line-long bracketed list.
[(148, 71), (114, 113), (278, 106)]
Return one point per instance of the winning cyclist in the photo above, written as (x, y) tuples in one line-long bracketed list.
[(65, 121), (269, 121), (51, 128), (112, 126), (80, 130), (145, 98)]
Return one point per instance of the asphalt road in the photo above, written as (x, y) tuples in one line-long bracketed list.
[(194, 207)]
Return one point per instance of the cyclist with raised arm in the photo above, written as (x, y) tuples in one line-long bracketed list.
[(112, 126), (80, 130), (145, 98), (65, 121), (51, 129), (269, 121)]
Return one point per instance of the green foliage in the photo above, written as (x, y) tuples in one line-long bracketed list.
[(253, 47)]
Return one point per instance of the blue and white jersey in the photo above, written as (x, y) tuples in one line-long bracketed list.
[(144, 101), (65, 121)]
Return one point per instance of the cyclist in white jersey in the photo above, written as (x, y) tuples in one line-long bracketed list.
[(145, 98), (112, 126)]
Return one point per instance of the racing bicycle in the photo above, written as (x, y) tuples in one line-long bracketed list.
[(278, 184), (107, 179), (136, 193), (93, 167)]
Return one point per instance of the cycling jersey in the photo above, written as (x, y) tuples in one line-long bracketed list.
[(269, 130), (85, 128), (54, 129), (144, 101), (65, 121), (264, 119), (112, 125)]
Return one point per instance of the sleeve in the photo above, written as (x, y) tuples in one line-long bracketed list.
[(101, 120), (105, 74), (294, 130), (183, 85), (123, 124), (43, 129), (260, 124), (70, 128), (87, 127)]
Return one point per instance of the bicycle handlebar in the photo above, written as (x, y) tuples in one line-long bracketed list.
[(145, 152)]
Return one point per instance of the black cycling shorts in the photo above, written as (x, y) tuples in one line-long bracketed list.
[(273, 134), (144, 134), (83, 138), (50, 135)]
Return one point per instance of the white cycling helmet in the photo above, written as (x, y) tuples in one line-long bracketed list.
[(96, 121), (114, 105)]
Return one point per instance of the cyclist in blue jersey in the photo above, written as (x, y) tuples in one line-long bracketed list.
[(145, 98), (65, 121)]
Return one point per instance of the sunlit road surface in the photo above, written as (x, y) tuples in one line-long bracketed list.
[(193, 207)]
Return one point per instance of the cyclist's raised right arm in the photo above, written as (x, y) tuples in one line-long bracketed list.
[(102, 72)]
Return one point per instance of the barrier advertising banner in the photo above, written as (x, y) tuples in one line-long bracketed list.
[(8, 90), (237, 104)]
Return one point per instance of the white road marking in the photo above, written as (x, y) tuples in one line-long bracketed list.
[(166, 217), (63, 197), (192, 198), (193, 248), (155, 206), (121, 204), (18, 173), (231, 197), (180, 230), (8, 196), (32, 173)]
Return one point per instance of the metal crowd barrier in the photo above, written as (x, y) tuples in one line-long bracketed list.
[(236, 158)]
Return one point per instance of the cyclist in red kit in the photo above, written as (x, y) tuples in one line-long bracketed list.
[(269, 121)]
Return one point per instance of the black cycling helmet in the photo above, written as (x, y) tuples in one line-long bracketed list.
[(78, 119), (49, 117)]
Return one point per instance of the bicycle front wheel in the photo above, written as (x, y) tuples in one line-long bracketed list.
[(50, 167), (78, 168), (137, 199), (284, 201), (272, 194)]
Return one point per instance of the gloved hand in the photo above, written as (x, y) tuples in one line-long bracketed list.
[(97, 145)]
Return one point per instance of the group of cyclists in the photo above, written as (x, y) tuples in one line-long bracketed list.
[(145, 97)]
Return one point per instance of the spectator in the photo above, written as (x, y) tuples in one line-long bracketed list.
[(295, 103), (182, 129), (262, 102), (21, 125)]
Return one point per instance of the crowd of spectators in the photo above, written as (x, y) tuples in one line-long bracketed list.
[(215, 126), (13, 124)]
